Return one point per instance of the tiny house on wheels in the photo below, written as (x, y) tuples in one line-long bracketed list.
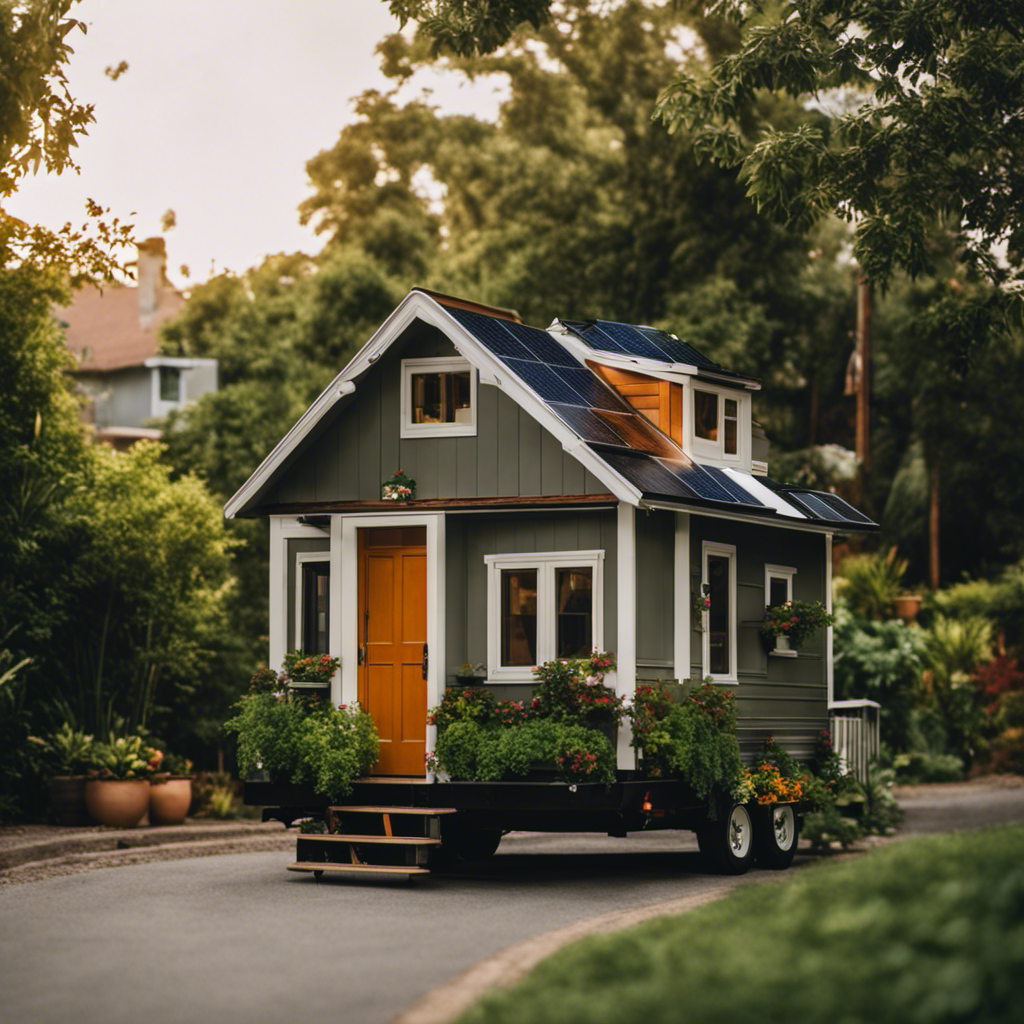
[(585, 487)]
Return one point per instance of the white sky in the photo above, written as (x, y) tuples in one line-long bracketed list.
[(223, 103)]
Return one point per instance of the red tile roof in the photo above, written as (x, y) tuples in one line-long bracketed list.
[(103, 328)]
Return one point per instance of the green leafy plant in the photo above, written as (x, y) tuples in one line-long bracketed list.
[(305, 741), (870, 583), (399, 488), (66, 751), (123, 759), (572, 689), (797, 620), (475, 704), (313, 668)]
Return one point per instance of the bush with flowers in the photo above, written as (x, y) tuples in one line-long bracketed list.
[(123, 759), (304, 740), (693, 739), (310, 668), (797, 620), (398, 488), (573, 689)]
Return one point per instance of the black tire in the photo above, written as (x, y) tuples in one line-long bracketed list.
[(776, 832), (728, 842), (471, 842), (318, 875)]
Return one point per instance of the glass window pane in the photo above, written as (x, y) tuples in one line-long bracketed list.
[(170, 384), (519, 617), (719, 625), (730, 407), (574, 590), (316, 589), (730, 437), (778, 592), (441, 397), (705, 415)]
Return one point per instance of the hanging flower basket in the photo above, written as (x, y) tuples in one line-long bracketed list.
[(399, 488), (793, 623)]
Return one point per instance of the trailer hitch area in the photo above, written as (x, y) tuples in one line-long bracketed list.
[(648, 809)]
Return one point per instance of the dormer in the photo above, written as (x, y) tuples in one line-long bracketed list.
[(716, 424)]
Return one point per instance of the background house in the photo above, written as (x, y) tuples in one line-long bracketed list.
[(114, 335)]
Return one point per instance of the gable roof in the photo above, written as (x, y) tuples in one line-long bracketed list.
[(551, 381), (104, 330)]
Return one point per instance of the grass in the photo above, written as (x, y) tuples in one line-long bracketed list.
[(929, 931)]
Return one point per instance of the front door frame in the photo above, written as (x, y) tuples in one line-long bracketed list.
[(345, 600)]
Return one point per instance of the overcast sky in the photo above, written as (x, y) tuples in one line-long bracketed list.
[(223, 103)]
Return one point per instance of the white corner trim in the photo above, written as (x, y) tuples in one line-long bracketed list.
[(829, 678), (545, 562), (340, 595), (683, 604), (301, 557), (708, 548), (625, 654), (278, 594)]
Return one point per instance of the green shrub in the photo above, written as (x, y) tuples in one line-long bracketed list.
[(929, 931), (870, 584), (924, 766), (304, 740), (458, 704)]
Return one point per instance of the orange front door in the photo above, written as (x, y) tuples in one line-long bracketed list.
[(392, 635)]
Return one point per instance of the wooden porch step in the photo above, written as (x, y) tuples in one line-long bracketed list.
[(358, 840), (363, 809), (381, 869)]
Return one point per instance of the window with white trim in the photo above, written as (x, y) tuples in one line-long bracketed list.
[(438, 398), (720, 420), (541, 606), (778, 584), (719, 578), (312, 602)]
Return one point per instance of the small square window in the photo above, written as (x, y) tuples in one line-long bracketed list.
[(170, 384), (716, 424), (438, 397), (705, 415)]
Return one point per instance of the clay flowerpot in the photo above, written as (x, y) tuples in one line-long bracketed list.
[(906, 607), (118, 803), (67, 798), (169, 800)]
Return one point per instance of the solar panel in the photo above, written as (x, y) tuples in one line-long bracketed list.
[(646, 473), (589, 425), (542, 346), (596, 394), (843, 507), (738, 492), (545, 382), (491, 332), (638, 434), (680, 352), (632, 341), (593, 336), (818, 509), (700, 483)]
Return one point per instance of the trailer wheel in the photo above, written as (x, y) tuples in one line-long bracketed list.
[(727, 843), (776, 830), (477, 843)]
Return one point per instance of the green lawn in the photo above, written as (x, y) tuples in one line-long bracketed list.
[(922, 932)]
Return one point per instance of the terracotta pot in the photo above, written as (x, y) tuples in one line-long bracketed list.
[(67, 798), (118, 803), (907, 606), (169, 800)]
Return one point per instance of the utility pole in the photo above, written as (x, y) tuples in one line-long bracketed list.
[(864, 358)]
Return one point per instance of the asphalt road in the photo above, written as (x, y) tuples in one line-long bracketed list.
[(236, 938)]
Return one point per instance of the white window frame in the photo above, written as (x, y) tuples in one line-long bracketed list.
[(715, 450), (546, 563), (779, 572), (709, 549), (439, 364), (300, 558)]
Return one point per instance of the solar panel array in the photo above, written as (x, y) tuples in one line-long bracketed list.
[(645, 342), (615, 432)]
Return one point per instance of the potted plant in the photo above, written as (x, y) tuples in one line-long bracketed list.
[(470, 674), (66, 754), (170, 791), (906, 606), (399, 488), (308, 671), (787, 626), (117, 791)]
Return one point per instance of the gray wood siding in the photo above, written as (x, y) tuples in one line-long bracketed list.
[(782, 697), (351, 455), (468, 538), (655, 594)]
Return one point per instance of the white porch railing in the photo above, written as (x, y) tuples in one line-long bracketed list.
[(855, 733)]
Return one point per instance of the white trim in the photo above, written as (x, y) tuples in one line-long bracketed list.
[(158, 406), (182, 362), (300, 558), (713, 452), (625, 654), (808, 526), (781, 572), (417, 305), (437, 364), (829, 679), (720, 551), (340, 595), (765, 495), (683, 601), (545, 562), (348, 526), (278, 593)]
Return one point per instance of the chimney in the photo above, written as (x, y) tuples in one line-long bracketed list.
[(151, 276)]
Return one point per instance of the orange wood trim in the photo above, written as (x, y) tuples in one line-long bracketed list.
[(387, 825), (524, 502), (676, 418)]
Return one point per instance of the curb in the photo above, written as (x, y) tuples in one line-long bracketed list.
[(126, 839)]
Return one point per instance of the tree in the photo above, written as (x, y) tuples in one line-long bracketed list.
[(40, 124), (471, 27), (934, 133)]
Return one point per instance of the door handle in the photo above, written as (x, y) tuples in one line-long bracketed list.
[(362, 656), (426, 661)]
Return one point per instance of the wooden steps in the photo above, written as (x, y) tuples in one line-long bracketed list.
[(385, 847)]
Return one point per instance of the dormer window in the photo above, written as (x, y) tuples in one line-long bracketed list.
[(718, 428), (438, 398)]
